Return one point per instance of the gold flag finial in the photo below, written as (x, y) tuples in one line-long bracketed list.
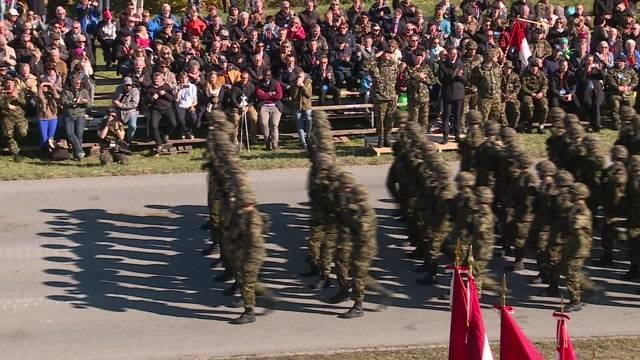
[(561, 304), (504, 290), (458, 253), (470, 260)]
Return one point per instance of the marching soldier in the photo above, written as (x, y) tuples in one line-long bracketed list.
[(633, 218), (534, 97), (620, 84), (483, 237), (468, 145), (543, 215), (510, 86)]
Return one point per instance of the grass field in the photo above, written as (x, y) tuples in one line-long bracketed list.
[(604, 348)]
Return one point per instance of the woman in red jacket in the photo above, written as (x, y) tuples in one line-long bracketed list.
[(296, 31)]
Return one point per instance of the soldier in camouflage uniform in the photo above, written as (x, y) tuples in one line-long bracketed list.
[(541, 224), (620, 84), (629, 136), (483, 237), (540, 47), (13, 123), (510, 86), (525, 190), (487, 78), (384, 74), (558, 142), (633, 218), (463, 205), (468, 145), (214, 193), (419, 79), (561, 206), (486, 157), (400, 151), (534, 97), (438, 221), (578, 246), (613, 187), (592, 165), (470, 61)]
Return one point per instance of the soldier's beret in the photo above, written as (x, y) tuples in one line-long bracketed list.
[(484, 195), (507, 133), (466, 178), (564, 178), (546, 168), (619, 152), (491, 128), (580, 190)]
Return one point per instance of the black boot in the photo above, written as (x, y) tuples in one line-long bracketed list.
[(311, 270), (231, 289), (17, 157), (268, 302), (605, 260), (342, 295), (225, 276), (632, 274), (540, 279), (550, 291), (322, 283), (214, 248), (386, 142), (516, 266), (427, 280), (354, 312), (237, 302), (386, 297), (248, 316)]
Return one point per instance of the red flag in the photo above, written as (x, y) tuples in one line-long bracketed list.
[(564, 347), (514, 345), (459, 317), (477, 340), (519, 42)]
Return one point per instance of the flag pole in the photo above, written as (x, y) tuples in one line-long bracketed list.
[(504, 290), (470, 260), (458, 254)]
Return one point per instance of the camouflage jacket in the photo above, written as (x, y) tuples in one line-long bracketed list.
[(579, 232), (510, 86), (483, 234), (533, 84), (417, 88), (525, 196), (616, 77), (488, 81), (18, 104), (469, 64), (612, 191), (541, 49), (385, 75)]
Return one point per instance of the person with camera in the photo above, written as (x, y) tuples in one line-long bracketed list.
[(300, 92), (75, 100), (186, 103), (125, 102), (113, 147), (47, 105), (13, 123), (241, 103)]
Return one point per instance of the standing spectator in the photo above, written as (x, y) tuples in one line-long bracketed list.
[(159, 97), (125, 102), (283, 17), (453, 79), (7, 53), (75, 100), (107, 38), (591, 90), (13, 124), (300, 92), (269, 95), (88, 15), (186, 103), (47, 102), (242, 100)]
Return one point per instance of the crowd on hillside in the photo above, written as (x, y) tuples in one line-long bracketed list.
[(177, 68)]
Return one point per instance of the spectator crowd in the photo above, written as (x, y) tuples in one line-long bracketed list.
[(178, 68)]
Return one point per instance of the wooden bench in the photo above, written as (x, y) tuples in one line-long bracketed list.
[(349, 110)]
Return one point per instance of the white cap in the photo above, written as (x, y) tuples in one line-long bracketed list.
[(13, 12)]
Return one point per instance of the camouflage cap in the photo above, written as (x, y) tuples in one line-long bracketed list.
[(466, 178), (507, 133), (591, 141), (474, 117), (619, 152), (524, 161), (635, 122), (359, 193), (546, 168), (429, 147), (556, 113), (634, 163), (476, 137), (346, 179), (491, 128), (441, 169), (580, 190), (484, 195), (400, 117), (620, 174), (507, 64), (564, 178)]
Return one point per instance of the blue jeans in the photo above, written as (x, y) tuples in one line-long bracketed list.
[(132, 125), (74, 128), (303, 122), (47, 130)]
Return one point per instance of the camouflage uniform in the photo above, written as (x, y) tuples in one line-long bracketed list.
[(471, 90), (13, 123), (578, 247), (558, 143), (615, 78), (523, 210), (463, 205), (486, 157), (487, 78), (540, 49), (614, 184), (383, 93), (510, 108), (483, 237), (541, 224), (418, 93), (633, 218), (535, 109), (468, 145)]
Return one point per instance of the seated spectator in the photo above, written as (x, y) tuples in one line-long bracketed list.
[(159, 97), (125, 103), (295, 31), (75, 100), (562, 89), (632, 55), (107, 34), (142, 40), (111, 132), (124, 49), (7, 53), (324, 82)]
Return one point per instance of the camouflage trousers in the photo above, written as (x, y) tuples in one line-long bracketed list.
[(491, 108), (541, 240), (383, 116), (610, 235), (634, 247), (535, 110), (510, 113), (575, 278), (248, 261), (518, 232), (319, 234), (616, 101), (419, 111), (330, 251), (11, 130), (433, 241), (470, 102)]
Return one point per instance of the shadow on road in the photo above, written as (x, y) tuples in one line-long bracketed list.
[(150, 261)]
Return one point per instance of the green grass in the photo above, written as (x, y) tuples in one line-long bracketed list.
[(605, 348)]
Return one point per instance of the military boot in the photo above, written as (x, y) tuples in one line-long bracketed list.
[(17, 157), (550, 291), (322, 283), (573, 306), (226, 275), (248, 316), (268, 301), (541, 278), (632, 274), (605, 260), (231, 289), (355, 311), (311, 270), (516, 266), (380, 142), (214, 248), (237, 302), (342, 295)]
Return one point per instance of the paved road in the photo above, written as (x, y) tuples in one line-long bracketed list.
[(110, 268)]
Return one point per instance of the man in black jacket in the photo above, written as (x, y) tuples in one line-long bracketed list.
[(242, 99), (159, 97), (562, 89), (452, 77)]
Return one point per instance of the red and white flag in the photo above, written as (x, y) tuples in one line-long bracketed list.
[(519, 42), (477, 340), (514, 345), (564, 348), (459, 317)]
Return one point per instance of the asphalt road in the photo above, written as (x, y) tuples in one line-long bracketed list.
[(110, 268)]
